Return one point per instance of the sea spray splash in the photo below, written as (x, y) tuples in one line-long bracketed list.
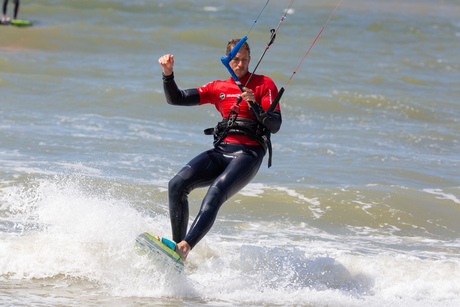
[(66, 229)]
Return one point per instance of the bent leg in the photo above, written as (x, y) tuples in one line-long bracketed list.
[(199, 172), (241, 169), (178, 207)]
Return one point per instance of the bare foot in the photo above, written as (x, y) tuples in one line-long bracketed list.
[(182, 249)]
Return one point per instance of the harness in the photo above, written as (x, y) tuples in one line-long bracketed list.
[(251, 128)]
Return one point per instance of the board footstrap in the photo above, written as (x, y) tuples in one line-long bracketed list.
[(169, 243)]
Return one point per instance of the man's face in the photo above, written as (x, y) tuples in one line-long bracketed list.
[(240, 63)]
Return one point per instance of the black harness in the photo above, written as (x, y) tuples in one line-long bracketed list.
[(251, 128)]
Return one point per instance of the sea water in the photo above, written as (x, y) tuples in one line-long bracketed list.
[(360, 208)]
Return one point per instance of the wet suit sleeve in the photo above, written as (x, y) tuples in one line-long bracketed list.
[(271, 120), (175, 96)]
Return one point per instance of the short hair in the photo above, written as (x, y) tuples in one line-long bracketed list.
[(235, 41)]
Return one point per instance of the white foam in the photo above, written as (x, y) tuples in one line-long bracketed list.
[(442, 195), (66, 229), (253, 189), (315, 205), (211, 9)]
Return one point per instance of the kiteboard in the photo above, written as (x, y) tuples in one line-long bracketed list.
[(163, 249), (17, 23)]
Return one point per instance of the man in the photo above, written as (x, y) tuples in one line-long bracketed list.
[(239, 147), (16, 9)]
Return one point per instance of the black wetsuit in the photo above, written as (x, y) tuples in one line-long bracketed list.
[(226, 169)]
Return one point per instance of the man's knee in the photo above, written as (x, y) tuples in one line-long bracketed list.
[(175, 183), (176, 186)]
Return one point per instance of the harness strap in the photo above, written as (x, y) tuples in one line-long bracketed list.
[(242, 126)]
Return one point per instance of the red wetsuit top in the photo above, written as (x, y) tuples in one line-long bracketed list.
[(223, 94)]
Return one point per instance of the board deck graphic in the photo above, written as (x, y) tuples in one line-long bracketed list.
[(169, 256)]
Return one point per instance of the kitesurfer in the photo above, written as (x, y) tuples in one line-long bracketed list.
[(16, 9), (239, 147)]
